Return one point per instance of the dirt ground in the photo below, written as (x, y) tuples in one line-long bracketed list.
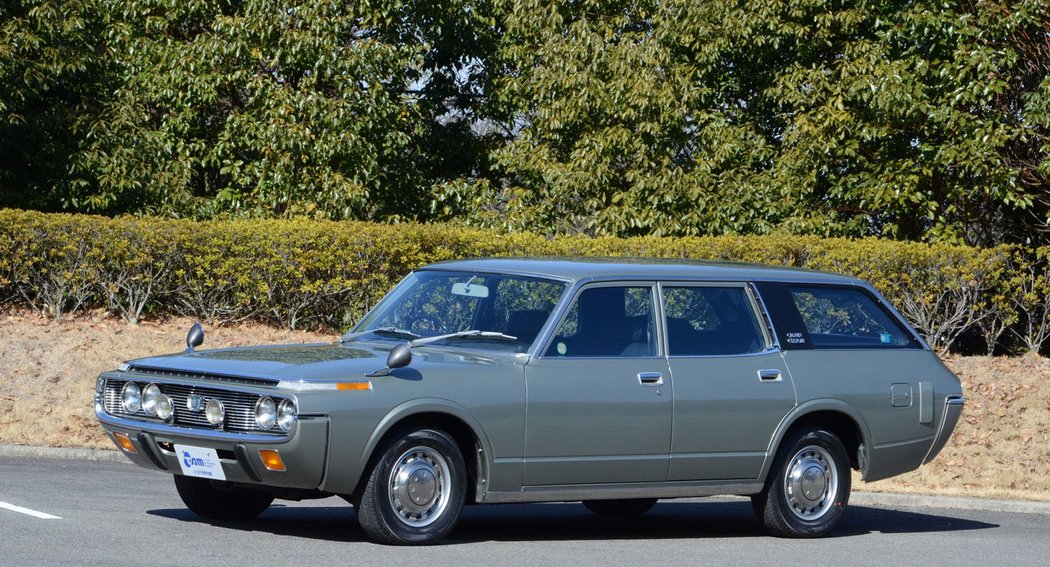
[(1000, 449)]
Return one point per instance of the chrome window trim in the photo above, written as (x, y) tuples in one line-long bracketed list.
[(772, 342)]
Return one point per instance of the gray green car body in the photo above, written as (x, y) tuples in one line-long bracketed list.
[(540, 427)]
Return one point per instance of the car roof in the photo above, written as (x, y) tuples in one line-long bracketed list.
[(577, 269)]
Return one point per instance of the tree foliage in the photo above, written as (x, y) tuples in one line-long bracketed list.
[(53, 75), (273, 108), (900, 119), (908, 120)]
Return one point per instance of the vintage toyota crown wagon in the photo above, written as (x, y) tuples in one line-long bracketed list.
[(611, 382)]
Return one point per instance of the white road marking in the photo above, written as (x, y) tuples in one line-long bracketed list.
[(28, 512)]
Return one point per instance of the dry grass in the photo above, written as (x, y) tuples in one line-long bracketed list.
[(48, 368), (1001, 448)]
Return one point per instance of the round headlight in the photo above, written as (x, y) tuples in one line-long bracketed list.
[(150, 395), (287, 415), (214, 411), (165, 407), (265, 413), (131, 397)]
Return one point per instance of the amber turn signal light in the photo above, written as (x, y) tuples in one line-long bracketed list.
[(353, 386), (124, 442), (271, 460)]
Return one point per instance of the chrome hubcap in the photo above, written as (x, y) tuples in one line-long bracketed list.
[(811, 482), (419, 486)]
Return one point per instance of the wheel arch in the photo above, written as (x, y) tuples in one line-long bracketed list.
[(834, 415), (437, 414)]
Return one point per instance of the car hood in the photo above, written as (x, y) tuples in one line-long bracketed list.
[(310, 362), (281, 362)]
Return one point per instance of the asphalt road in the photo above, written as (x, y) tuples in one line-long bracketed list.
[(118, 514)]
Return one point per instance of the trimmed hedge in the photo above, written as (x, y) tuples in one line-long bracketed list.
[(324, 274)]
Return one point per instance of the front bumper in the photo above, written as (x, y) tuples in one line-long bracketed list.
[(304, 451)]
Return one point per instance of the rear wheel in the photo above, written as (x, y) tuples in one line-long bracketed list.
[(623, 508), (217, 500), (808, 487), (415, 490)]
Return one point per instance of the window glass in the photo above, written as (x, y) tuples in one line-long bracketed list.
[(607, 321), (847, 318), (430, 303), (704, 320)]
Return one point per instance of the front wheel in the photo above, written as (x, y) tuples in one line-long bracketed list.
[(217, 500), (808, 487), (415, 490)]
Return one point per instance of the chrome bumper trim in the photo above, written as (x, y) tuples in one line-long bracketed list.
[(211, 435)]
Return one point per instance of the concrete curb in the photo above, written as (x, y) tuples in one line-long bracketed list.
[(877, 499), (78, 454), (893, 500)]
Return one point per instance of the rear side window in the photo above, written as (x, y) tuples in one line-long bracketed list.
[(847, 318), (709, 320)]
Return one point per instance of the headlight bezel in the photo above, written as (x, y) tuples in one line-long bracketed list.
[(165, 407), (215, 412), (150, 394), (265, 413), (287, 415), (125, 390)]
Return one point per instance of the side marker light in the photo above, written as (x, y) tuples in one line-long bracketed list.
[(124, 442), (271, 460)]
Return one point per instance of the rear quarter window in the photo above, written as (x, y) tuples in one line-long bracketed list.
[(839, 317)]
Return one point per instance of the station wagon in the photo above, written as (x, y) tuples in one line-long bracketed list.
[(607, 381)]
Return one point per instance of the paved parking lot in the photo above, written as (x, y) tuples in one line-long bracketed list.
[(68, 512)]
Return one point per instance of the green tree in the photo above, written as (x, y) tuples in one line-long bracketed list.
[(268, 108), (53, 75), (902, 119)]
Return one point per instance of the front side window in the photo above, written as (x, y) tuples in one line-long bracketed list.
[(710, 320), (607, 321), (847, 318)]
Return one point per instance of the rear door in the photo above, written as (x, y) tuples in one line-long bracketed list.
[(732, 389)]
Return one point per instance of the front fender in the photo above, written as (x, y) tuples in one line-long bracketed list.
[(407, 410)]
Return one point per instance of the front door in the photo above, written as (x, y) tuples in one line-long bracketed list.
[(599, 399)]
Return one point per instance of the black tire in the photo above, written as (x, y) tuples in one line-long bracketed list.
[(427, 463), (808, 487), (218, 500), (624, 508)]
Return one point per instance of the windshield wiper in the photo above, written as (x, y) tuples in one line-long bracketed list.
[(383, 331), (471, 334)]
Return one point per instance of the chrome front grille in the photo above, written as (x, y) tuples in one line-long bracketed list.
[(240, 406)]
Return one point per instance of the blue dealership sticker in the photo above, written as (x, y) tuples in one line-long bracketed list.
[(200, 462)]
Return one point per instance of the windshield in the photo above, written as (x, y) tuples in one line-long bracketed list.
[(433, 303)]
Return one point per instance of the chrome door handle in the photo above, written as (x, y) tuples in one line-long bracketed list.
[(650, 378), (770, 375)]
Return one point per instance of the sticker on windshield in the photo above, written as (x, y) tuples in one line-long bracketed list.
[(200, 462)]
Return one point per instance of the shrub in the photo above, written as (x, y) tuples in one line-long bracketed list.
[(300, 273)]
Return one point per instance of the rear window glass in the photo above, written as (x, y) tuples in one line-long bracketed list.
[(847, 318)]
